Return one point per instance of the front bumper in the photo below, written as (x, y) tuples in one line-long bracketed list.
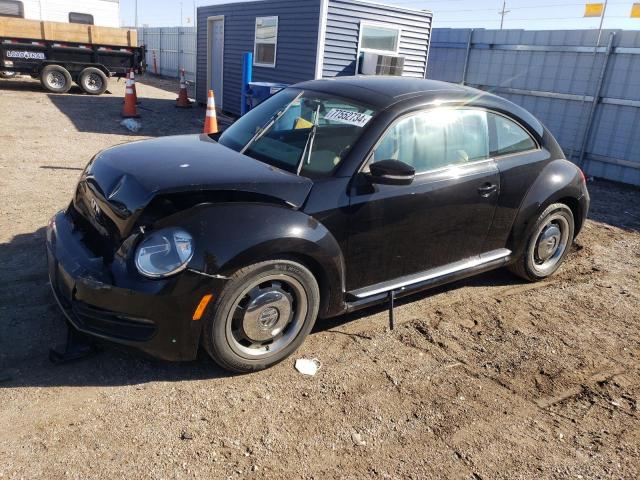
[(115, 303)]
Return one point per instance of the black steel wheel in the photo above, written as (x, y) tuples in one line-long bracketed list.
[(93, 81), (262, 316), (55, 79), (548, 244)]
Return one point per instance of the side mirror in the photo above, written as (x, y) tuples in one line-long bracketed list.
[(391, 172)]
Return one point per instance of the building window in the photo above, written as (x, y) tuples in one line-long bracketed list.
[(11, 8), (379, 38), (83, 18), (266, 41)]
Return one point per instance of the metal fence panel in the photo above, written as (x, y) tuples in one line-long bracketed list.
[(557, 75), (173, 48)]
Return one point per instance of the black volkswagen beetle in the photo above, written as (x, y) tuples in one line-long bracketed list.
[(328, 197)]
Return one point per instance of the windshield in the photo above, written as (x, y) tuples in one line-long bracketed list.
[(299, 131)]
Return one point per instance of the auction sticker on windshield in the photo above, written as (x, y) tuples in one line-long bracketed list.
[(347, 116)]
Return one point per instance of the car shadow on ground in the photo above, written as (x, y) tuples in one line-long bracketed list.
[(496, 278)]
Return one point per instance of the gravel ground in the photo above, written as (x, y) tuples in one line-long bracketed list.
[(486, 378)]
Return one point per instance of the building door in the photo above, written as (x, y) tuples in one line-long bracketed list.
[(216, 39)]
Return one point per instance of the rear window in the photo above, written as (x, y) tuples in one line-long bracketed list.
[(510, 138), (83, 18), (11, 8)]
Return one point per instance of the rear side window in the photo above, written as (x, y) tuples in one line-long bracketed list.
[(510, 137), (11, 8), (436, 139), (83, 18)]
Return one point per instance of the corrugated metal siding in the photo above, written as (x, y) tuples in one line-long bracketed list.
[(342, 33), (296, 50), (174, 47), (615, 128)]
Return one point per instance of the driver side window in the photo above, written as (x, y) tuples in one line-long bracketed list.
[(437, 138)]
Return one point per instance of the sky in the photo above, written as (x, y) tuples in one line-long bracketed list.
[(531, 15)]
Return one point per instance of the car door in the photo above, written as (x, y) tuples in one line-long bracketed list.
[(443, 216)]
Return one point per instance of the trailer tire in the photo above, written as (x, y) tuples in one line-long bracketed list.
[(55, 79), (93, 81)]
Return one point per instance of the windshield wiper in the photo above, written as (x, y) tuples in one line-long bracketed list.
[(263, 129), (309, 144)]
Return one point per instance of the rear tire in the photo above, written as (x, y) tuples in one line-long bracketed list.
[(55, 79), (93, 81), (262, 315), (548, 244)]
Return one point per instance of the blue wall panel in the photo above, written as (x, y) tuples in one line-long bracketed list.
[(296, 51)]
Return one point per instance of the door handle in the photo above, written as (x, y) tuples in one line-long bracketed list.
[(487, 189)]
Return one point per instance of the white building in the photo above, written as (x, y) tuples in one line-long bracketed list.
[(105, 13)]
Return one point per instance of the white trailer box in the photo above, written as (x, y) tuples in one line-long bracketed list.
[(103, 13)]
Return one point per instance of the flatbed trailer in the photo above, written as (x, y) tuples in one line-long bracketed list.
[(59, 54)]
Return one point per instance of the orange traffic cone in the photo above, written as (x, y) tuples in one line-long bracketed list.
[(129, 110), (133, 85), (210, 121), (183, 98)]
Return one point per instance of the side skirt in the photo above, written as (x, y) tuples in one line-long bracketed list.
[(378, 293)]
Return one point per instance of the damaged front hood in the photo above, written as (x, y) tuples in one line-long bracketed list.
[(120, 181)]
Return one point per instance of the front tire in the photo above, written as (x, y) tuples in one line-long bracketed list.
[(548, 244), (262, 315), (55, 79)]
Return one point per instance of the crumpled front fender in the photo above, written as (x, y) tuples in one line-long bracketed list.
[(229, 236)]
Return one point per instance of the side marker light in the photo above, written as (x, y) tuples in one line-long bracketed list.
[(197, 315)]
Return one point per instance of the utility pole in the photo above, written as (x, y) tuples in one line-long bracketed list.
[(181, 16), (136, 14), (503, 12), (604, 11)]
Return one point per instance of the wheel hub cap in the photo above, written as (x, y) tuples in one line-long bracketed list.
[(94, 82), (267, 314), (56, 80), (548, 242)]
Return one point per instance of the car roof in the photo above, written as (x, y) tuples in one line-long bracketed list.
[(379, 91), (382, 92)]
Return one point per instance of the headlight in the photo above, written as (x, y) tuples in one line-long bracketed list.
[(164, 252)]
